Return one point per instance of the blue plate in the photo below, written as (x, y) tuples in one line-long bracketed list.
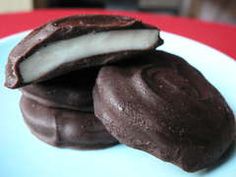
[(23, 155)]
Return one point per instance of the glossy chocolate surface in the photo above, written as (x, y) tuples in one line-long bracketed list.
[(65, 128), (164, 106), (63, 29)]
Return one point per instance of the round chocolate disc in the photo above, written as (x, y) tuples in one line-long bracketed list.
[(76, 42), (164, 106), (65, 128)]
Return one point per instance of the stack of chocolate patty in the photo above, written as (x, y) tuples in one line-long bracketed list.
[(72, 68), (48, 64), (60, 112)]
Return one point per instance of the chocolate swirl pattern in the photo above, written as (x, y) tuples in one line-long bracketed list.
[(164, 106)]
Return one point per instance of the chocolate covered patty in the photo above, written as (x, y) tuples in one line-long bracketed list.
[(164, 106), (75, 42), (65, 128), (71, 91)]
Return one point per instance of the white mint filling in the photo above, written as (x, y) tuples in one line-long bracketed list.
[(55, 54)]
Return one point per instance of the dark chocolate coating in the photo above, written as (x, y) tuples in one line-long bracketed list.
[(71, 91), (65, 128), (66, 28), (165, 107)]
